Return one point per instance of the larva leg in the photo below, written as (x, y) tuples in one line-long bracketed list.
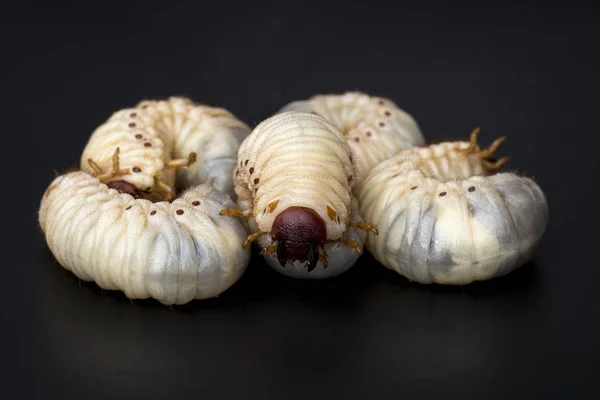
[(251, 238), (181, 162), (236, 213), (473, 142), (483, 154), (269, 249), (323, 257), (116, 169), (352, 244), (366, 227), (495, 166), (166, 189)]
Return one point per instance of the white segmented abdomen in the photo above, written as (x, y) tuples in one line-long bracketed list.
[(297, 159), (375, 128), (172, 252), (443, 218)]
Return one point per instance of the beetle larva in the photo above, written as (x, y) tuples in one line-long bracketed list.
[(294, 182), (114, 229), (447, 215), (155, 138), (375, 127)]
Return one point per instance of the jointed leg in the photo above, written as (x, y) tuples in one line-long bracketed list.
[(270, 249), (366, 227), (166, 189), (235, 212), (492, 149), (353, 244), (252, 237), (473, 145), (495, 166), (181, 162), (323, 257), (116, 170)]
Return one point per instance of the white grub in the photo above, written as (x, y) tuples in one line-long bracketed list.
[(446, 215), (375, 127), (299, 160), (111, 223)]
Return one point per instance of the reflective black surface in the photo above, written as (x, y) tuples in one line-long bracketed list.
[(529, 71)]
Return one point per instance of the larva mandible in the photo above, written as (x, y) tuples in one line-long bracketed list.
[(375, 127), (294, 182), (447, 215), (106, 229)]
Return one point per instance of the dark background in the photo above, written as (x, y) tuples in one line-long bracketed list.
[(529, 71)]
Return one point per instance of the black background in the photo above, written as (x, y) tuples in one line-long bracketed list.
[(529, 71)]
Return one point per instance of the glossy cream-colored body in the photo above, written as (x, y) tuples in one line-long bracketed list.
[(375, 127), (442, 218), (299, 159), (147, 248)]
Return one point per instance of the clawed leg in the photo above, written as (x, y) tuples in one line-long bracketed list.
[(473, 145), (495, 166), (323, 257), (251, 238), (492, 149), (181, 162), (235, 212), (353, 244), (270, 249), (366, 227), (116, 170), (166, 189)]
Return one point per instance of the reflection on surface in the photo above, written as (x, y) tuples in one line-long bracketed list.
[(268, 329)]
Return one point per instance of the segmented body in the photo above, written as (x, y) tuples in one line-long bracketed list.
[(444, 217), (170, 251), (296, 159), (155, 132), (375, 127)]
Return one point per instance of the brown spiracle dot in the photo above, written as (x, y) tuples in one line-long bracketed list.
[(356, 139), (152, 212), (133, 115), (179, 212), (369, 133), (251, 170), (128, 207), (443, 194), (382, 124), (472, 189), (136, 169), (387, 113), (381, 102), (246, 162), (138, 136), (195, 203), (413, 188), (145, 106), (132, 124), (147, 144), (256, 181)]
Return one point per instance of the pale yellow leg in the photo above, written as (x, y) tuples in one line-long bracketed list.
[(366, 227), (166, 189), (353, 244), (473, 145), (251, 238), (323, 257), (235, 212), (181, 162), (495, 166), (116, 169), (492, 149), (270, 249)]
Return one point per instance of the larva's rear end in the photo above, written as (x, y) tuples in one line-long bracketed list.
[(294, 181)]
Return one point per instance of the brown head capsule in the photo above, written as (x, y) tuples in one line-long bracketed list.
[(299, 232), (125, 187)]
